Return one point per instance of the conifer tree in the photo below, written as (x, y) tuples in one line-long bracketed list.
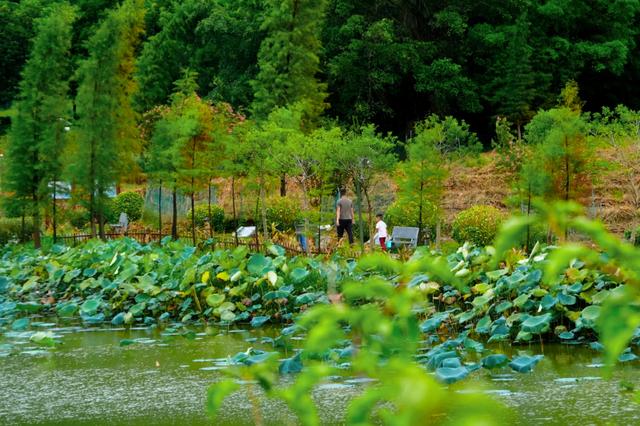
[(107, 142), (33, 154), (181, 141), (288, 58)]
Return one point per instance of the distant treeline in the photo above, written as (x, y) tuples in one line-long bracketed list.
[(387, 62)]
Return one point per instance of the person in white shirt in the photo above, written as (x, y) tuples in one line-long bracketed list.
[(381, 232)]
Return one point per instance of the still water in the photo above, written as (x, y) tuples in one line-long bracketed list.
[(162, 380)]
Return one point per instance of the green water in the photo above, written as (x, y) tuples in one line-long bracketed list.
[(162, 380)]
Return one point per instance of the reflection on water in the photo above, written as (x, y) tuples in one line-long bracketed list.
[(162, 379)]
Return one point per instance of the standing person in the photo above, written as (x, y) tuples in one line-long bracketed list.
[(381, 232), (344, 216)]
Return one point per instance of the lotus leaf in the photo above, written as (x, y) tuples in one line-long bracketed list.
[(227, 316), (537, 324), (451, 375), (90, 307), (503, 307), (495, 361), (451, 363), (432, 324), (258, 265), (590, 313), (524, 364), (548, 302), (20, 324), (259, 321), (298, 275), (566, 299), (566, 335), (43, 339), (30, 307), (291, 365), (215, 299)]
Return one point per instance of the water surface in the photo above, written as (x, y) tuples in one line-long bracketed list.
[(162, 380)]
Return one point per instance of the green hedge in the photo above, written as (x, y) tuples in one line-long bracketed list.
[(129, 202), (478, 225), (202, 213), (11, 229)]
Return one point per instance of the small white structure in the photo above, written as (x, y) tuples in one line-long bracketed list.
[(122, 225), (246, 231)]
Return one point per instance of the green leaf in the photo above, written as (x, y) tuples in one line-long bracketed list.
[(216, 394), (299, 274), (617, 322), (495, 361), (67, 309), (524, 364), (259, 320), (43, 339), (215, 299), (20, 324), (227, 316), (90, 307), (30, 307), (536, 324), (503, 307), (450, 375), (258, 265), (521, 300)]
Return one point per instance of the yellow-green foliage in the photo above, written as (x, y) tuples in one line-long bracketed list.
[(478, 225)]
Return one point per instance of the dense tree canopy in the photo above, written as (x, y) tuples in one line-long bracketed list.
[(390, 63)]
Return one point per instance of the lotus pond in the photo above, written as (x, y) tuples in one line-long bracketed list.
[(162, 379), (126, 333)]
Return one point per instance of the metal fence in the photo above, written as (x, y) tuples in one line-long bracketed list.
[(225, 242)]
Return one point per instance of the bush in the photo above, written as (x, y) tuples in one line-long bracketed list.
[(78, 218), (478, 225), (283, 212), (129, 202), (406, 213), (11, 229), (202, 213)]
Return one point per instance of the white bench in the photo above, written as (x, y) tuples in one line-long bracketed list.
[(405, 236)]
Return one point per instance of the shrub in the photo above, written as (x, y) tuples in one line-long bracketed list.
[(283, 212), (11, 229), (478, 225), (202, 213), (406, 213), (78, 218), (129, 202)]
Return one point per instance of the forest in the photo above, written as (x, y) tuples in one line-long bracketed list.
[(173, 174), (390, 63)]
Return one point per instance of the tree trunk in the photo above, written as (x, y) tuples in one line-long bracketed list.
[(283, 185), (209, 213), (174, 223), (193, 217), (160, 210), (263, 210), (55, 222), (420, 225), (36, 222), (92, 212), (361, 223), (101, 223), (370, 217), (233, 206), (527, 243), (23, 226)]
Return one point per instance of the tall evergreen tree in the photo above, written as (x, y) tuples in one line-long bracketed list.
[(512, 88), (180, 144), (289, 58), (107, 142), (33, 154)]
